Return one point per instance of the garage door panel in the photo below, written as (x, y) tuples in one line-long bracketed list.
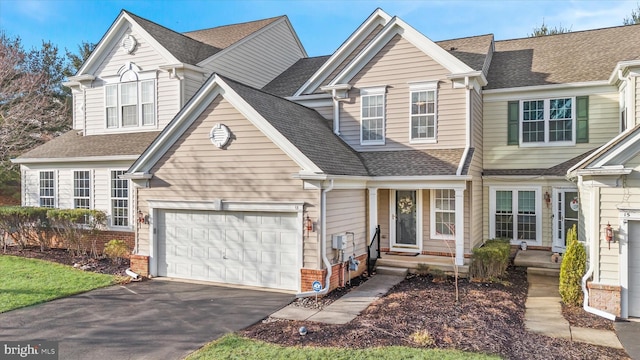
[(633, 295), (250, 248)]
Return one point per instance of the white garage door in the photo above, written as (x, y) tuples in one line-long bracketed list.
[(246, 248), (634, 269)]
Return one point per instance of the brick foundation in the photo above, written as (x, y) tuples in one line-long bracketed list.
[(339, 275), (140, 264), (605, 297)]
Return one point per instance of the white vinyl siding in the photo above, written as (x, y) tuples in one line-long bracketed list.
[(47, 189), (516, 214)]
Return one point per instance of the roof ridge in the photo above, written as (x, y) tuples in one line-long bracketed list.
[(166, 28), (569, 33), (236, 24), (465, 37)]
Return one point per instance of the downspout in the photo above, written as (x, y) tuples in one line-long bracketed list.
[(468, 127), (336, 112), (592, 256), (323, 244)]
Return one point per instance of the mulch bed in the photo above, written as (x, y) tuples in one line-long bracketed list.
[(488, 318), (62, 256)]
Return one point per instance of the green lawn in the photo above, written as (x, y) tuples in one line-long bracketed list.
[(25, 282), (235, 347)]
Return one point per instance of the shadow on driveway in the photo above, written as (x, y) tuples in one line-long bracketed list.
[(149, 320)]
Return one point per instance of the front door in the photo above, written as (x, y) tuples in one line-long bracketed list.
[(565, 216), (405, 234)]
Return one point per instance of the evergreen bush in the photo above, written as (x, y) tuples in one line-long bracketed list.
[(490, 261), (572, 269)]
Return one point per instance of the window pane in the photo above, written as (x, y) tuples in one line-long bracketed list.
[(111, 95), (372, 118), (128, 93), (147, 91), (504, 201), (47, 189), (423, 114), (129, 115), (119, 199), (526, 202), (81, 189)]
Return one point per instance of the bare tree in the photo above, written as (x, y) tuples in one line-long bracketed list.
[(33, 104)]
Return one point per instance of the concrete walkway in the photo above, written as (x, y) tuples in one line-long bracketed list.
[(347, 307), (543, 315)]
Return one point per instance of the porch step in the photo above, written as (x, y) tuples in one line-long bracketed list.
[(543, 271), (536, 259), (413, 264), (388, 270)]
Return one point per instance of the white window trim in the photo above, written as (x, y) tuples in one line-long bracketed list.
[(547, 111), (432, 227), (139, 103), (55, 188), (492, 211), (374, 91), (129, 203), (91, 187), (419, 87)]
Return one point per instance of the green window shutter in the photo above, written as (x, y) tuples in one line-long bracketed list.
[(512, 124), (582, 119)]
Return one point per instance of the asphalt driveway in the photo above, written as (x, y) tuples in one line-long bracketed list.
[(150, 320)]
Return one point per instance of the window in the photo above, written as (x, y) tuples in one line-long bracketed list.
[(119, 199), (372, 116), (443, 214), (516, 214), (549, 121), (423, 98), (81, 190), (130, 104), (47, 189)]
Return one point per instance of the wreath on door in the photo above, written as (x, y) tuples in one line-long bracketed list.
[(405, 205)]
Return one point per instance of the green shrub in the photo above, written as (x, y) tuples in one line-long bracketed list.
[(572, 269), (490, 261), (25, 225), (75, 226), (116, 250)]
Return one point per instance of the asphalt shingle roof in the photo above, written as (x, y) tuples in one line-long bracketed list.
[(414, 162), (222, 37), (472, 51), (72, 144), (305, 129), (565, 58), (557, 170), (287, 83)]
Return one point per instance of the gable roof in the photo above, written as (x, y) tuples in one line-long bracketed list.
[(72, 146), (432, 162), (184, 48), (579, 56), (472, 51), (616, 152), (291, 79), (299, 131), (222, 37)]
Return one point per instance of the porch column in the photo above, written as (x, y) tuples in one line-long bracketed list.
[(373, 213), (459, 226)]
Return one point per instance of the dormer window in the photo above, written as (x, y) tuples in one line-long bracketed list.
[(131, 102)]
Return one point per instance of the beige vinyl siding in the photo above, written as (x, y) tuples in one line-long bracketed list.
[(260, 58), (346, 213), (351, 56), (603, 126), (475, 170), (326, 112), (637, 99), (251, 168), (397, 64)]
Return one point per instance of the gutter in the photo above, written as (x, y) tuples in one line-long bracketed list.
[(592, 261), (323, 244)]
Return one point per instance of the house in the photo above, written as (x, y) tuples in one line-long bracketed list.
[(136, 80), (427, 148)]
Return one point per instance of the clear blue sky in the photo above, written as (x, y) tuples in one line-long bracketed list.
[(321, 25)]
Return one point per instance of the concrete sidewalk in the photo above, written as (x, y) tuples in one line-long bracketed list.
[(347, 307), (543, 315)]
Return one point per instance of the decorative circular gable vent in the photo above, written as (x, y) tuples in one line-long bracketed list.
[(129, 44), (220, 135)]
